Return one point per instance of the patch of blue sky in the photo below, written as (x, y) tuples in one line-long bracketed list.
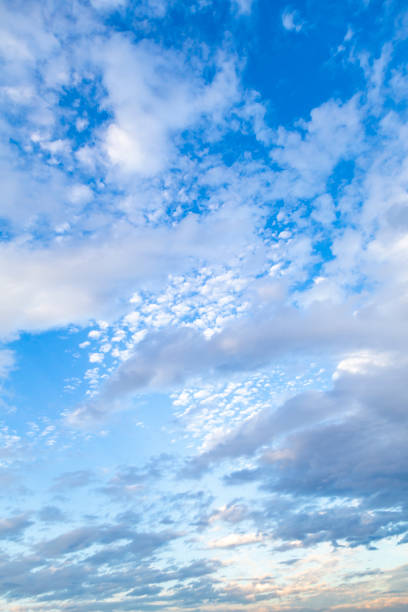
[(81, 110), (297, 59), (40, 374)]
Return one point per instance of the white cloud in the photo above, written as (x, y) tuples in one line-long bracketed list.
[(309, 154), (291, 21), (234, 540), (7, 362), (108, 5), (154, 95), (362, 362), (66, 283), (243, 7)]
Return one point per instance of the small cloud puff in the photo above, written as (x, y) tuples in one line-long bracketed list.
[(243, 7), (7, 362), (291, 21)]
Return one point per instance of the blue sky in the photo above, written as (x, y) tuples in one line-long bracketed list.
[(203, 262)]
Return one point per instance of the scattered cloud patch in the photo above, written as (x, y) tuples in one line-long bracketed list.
[(243, 7), (291, 20)]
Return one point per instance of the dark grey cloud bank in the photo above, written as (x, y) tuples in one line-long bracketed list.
[(346, 446)]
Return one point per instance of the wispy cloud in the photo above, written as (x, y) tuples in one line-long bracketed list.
[(292, 21)]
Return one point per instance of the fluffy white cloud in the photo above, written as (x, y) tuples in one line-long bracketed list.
[(63, 284), (155, 94)]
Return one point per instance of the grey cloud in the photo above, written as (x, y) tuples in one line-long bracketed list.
[(361, 408), (172, 356), (305, 410), (13, 527), (140, 544), (356, 453), (79, 539), (51, 514), (345, 459), (19, 580), (197, 569), (289, 562), (129, 479), (128, 517), (353, 575), (234, 512), (354, 526), (72, 582), (73, 480), (143, 544), (390, 607), (234, 478)]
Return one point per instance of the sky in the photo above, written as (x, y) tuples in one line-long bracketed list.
[(204, 305)]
